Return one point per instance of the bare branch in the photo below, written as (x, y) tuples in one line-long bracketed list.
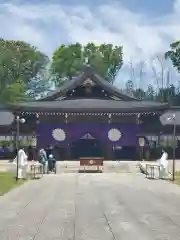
[(132, 73), (155, 75), (161, 62), (142, 65)]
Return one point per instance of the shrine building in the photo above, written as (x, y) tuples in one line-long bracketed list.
[(88, 116)]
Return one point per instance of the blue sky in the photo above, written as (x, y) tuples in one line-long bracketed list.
[(144, 28), (152, 7)]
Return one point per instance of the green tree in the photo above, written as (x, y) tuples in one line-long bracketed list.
[(167, 94), (174, 54), (139, 93), (68, 61), (130, 88), (13, 93), (150, 93), (40, 85), (19, 60)]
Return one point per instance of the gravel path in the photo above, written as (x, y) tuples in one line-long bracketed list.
[(104, 206)]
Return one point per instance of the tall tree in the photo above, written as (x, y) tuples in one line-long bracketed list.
[(168, 93), (130, 87), (161, 75), (14, 92), (137, 75), (68, 61), (39, 85), (139, 93), (150, 94), (19, 61), (174, 54)]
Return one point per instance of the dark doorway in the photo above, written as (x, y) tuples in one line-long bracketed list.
[(60, 152), (125, 153), (86, 146)]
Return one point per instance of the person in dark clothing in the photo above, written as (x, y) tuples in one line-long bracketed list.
[(56, 153), (51, 163), (30, 153), (43, 159), (49, 151)]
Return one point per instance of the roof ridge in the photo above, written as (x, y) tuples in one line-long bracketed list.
[(87, 73)]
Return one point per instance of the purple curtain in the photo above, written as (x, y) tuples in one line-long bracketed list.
[(124, 134)]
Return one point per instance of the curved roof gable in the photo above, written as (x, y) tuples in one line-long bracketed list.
[(86, 76)]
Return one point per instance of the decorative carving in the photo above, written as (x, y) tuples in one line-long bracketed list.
[(114, 134), (88, 89), (91, 162), (59, 134), (88, 82)]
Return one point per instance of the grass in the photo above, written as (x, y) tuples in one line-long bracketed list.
[(8, 182), (177, 177)]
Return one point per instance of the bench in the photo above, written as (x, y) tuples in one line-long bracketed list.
[(92, 161), (36, 171)]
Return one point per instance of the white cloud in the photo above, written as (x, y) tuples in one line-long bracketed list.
[(47, 26)]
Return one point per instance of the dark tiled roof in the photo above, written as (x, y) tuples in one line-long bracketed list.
[(88, 73), (85, 105)]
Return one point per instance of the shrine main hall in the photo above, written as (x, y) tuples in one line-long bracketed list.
[(89, 117)]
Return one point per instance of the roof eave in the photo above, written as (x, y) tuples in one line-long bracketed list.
[(89, 110)]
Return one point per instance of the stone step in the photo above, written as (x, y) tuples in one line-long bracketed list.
[(105, 170)]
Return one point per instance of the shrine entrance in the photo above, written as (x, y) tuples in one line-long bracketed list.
[(125, 152), (86, 146)]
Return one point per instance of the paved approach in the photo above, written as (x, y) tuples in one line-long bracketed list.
[(91, 207)]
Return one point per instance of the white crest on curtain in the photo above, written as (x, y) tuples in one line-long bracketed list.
[(114, 134), (59, 134)]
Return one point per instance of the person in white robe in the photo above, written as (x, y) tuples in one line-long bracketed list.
[(22, 163), (161, 164)]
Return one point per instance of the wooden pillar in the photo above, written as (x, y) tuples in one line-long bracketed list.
[(68, 152), (68, 147), (108, 152), (34, 146)]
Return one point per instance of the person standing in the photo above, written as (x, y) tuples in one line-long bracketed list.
[(30, 153), (51, 163), (49, 150), (43, 159), (22, 163)]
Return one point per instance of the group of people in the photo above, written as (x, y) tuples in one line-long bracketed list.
[(47, 159)]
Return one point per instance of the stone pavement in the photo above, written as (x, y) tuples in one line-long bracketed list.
[(104, 206)]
